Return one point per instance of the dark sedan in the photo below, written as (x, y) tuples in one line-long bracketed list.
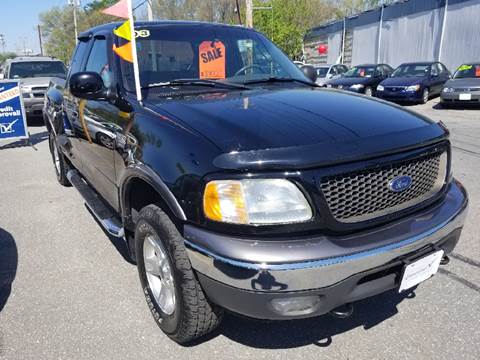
[(414, 82), (362, 78), (464, 88)]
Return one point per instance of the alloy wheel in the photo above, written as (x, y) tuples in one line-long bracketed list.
[(159, 274)]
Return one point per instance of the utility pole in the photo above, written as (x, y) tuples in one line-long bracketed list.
[(40, 39), (74, 4), (149, 10), (249, 13)]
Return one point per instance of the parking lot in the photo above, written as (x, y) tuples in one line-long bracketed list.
[(75, 296)]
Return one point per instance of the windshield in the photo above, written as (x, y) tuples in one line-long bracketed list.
[(361, 71), (411, 71), (228, 54), (322, 72), (467, 71), (21, 70)]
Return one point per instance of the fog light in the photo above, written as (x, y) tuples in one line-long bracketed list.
[(294, 306)]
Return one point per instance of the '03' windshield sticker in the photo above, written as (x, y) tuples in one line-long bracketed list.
[(212, 60)]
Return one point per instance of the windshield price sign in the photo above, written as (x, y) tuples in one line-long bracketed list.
[(13, 123), (212, 60)]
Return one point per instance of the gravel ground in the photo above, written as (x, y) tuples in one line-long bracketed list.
[(74, 296)]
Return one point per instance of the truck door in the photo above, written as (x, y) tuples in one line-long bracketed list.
[(99, 119), (72, 127)]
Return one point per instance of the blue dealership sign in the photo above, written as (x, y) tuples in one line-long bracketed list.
[(13, 122)]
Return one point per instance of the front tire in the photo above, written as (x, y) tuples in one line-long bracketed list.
[(173, 293), (425, 96), (368, 91), (59, 162)]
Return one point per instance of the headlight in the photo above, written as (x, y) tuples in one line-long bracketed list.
[(357, 86), (448, 90), (255, 201), (380, 88), (413, 88)]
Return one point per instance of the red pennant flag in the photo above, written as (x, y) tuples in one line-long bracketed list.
[(120, 9)]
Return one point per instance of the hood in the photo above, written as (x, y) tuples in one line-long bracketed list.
[(463, 83), (402, 81), (321, 80), (35, 81), (300, 125), (347, 81)]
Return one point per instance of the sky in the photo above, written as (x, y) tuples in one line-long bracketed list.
[(19, 20)]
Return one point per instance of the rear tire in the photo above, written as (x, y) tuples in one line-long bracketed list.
[(189, 315), (59, 162)]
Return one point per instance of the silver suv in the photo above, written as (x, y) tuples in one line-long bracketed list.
[(34, 74)]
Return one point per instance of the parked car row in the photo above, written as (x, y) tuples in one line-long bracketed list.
[(414, 82)]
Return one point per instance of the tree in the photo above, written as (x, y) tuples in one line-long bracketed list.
[(287, 22), (222, 11), (6, 56), (58, 29)]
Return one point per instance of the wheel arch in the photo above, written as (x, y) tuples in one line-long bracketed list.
[(141, 186)]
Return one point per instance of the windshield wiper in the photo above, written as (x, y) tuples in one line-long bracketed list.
[(273, 79), (197, 82)]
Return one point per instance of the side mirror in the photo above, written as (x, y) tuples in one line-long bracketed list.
[(88, 85), (310, 72)]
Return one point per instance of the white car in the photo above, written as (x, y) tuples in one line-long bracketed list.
[(329, 72)]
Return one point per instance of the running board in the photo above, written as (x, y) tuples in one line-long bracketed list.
[(103, 214)]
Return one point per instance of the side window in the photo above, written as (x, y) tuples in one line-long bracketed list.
[(342, 69), (333, 71), (77, 58), (435, 70), (387, 71), (98, 61), (379, 71)]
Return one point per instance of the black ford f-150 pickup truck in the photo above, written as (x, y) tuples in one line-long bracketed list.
[(238, 184)]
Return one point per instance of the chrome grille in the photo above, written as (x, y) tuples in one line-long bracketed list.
[(470, 89), (366, 194)]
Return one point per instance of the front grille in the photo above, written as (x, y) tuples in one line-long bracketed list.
[(39, 88), (471, 89), (38, 95), (365, 195), (394, 88)]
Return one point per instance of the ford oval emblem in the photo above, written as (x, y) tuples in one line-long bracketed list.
[(400, 183)]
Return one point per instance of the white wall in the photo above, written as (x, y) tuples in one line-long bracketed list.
[(334, 47), (412, 38), (365, 40), (461, 42)]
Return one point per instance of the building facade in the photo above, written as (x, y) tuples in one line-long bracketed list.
[(405, 31)]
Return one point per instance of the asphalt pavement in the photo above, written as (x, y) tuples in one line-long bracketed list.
[(68, 292)]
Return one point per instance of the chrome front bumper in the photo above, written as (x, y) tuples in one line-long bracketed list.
[(313, 263)]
